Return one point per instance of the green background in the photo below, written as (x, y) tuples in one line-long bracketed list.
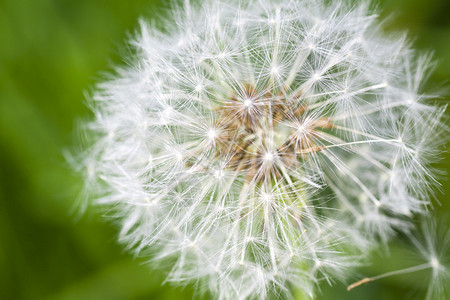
[(51, 53)]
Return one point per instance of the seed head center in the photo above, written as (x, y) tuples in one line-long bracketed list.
[(262, 140)]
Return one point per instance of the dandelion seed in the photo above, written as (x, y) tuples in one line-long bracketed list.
[(431, 243)]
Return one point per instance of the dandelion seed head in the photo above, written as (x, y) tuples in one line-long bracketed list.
[(268, 138)]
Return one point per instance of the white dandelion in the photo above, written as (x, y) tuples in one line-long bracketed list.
[(259, 145)]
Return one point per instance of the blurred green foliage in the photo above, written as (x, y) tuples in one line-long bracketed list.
[(51, 53)]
